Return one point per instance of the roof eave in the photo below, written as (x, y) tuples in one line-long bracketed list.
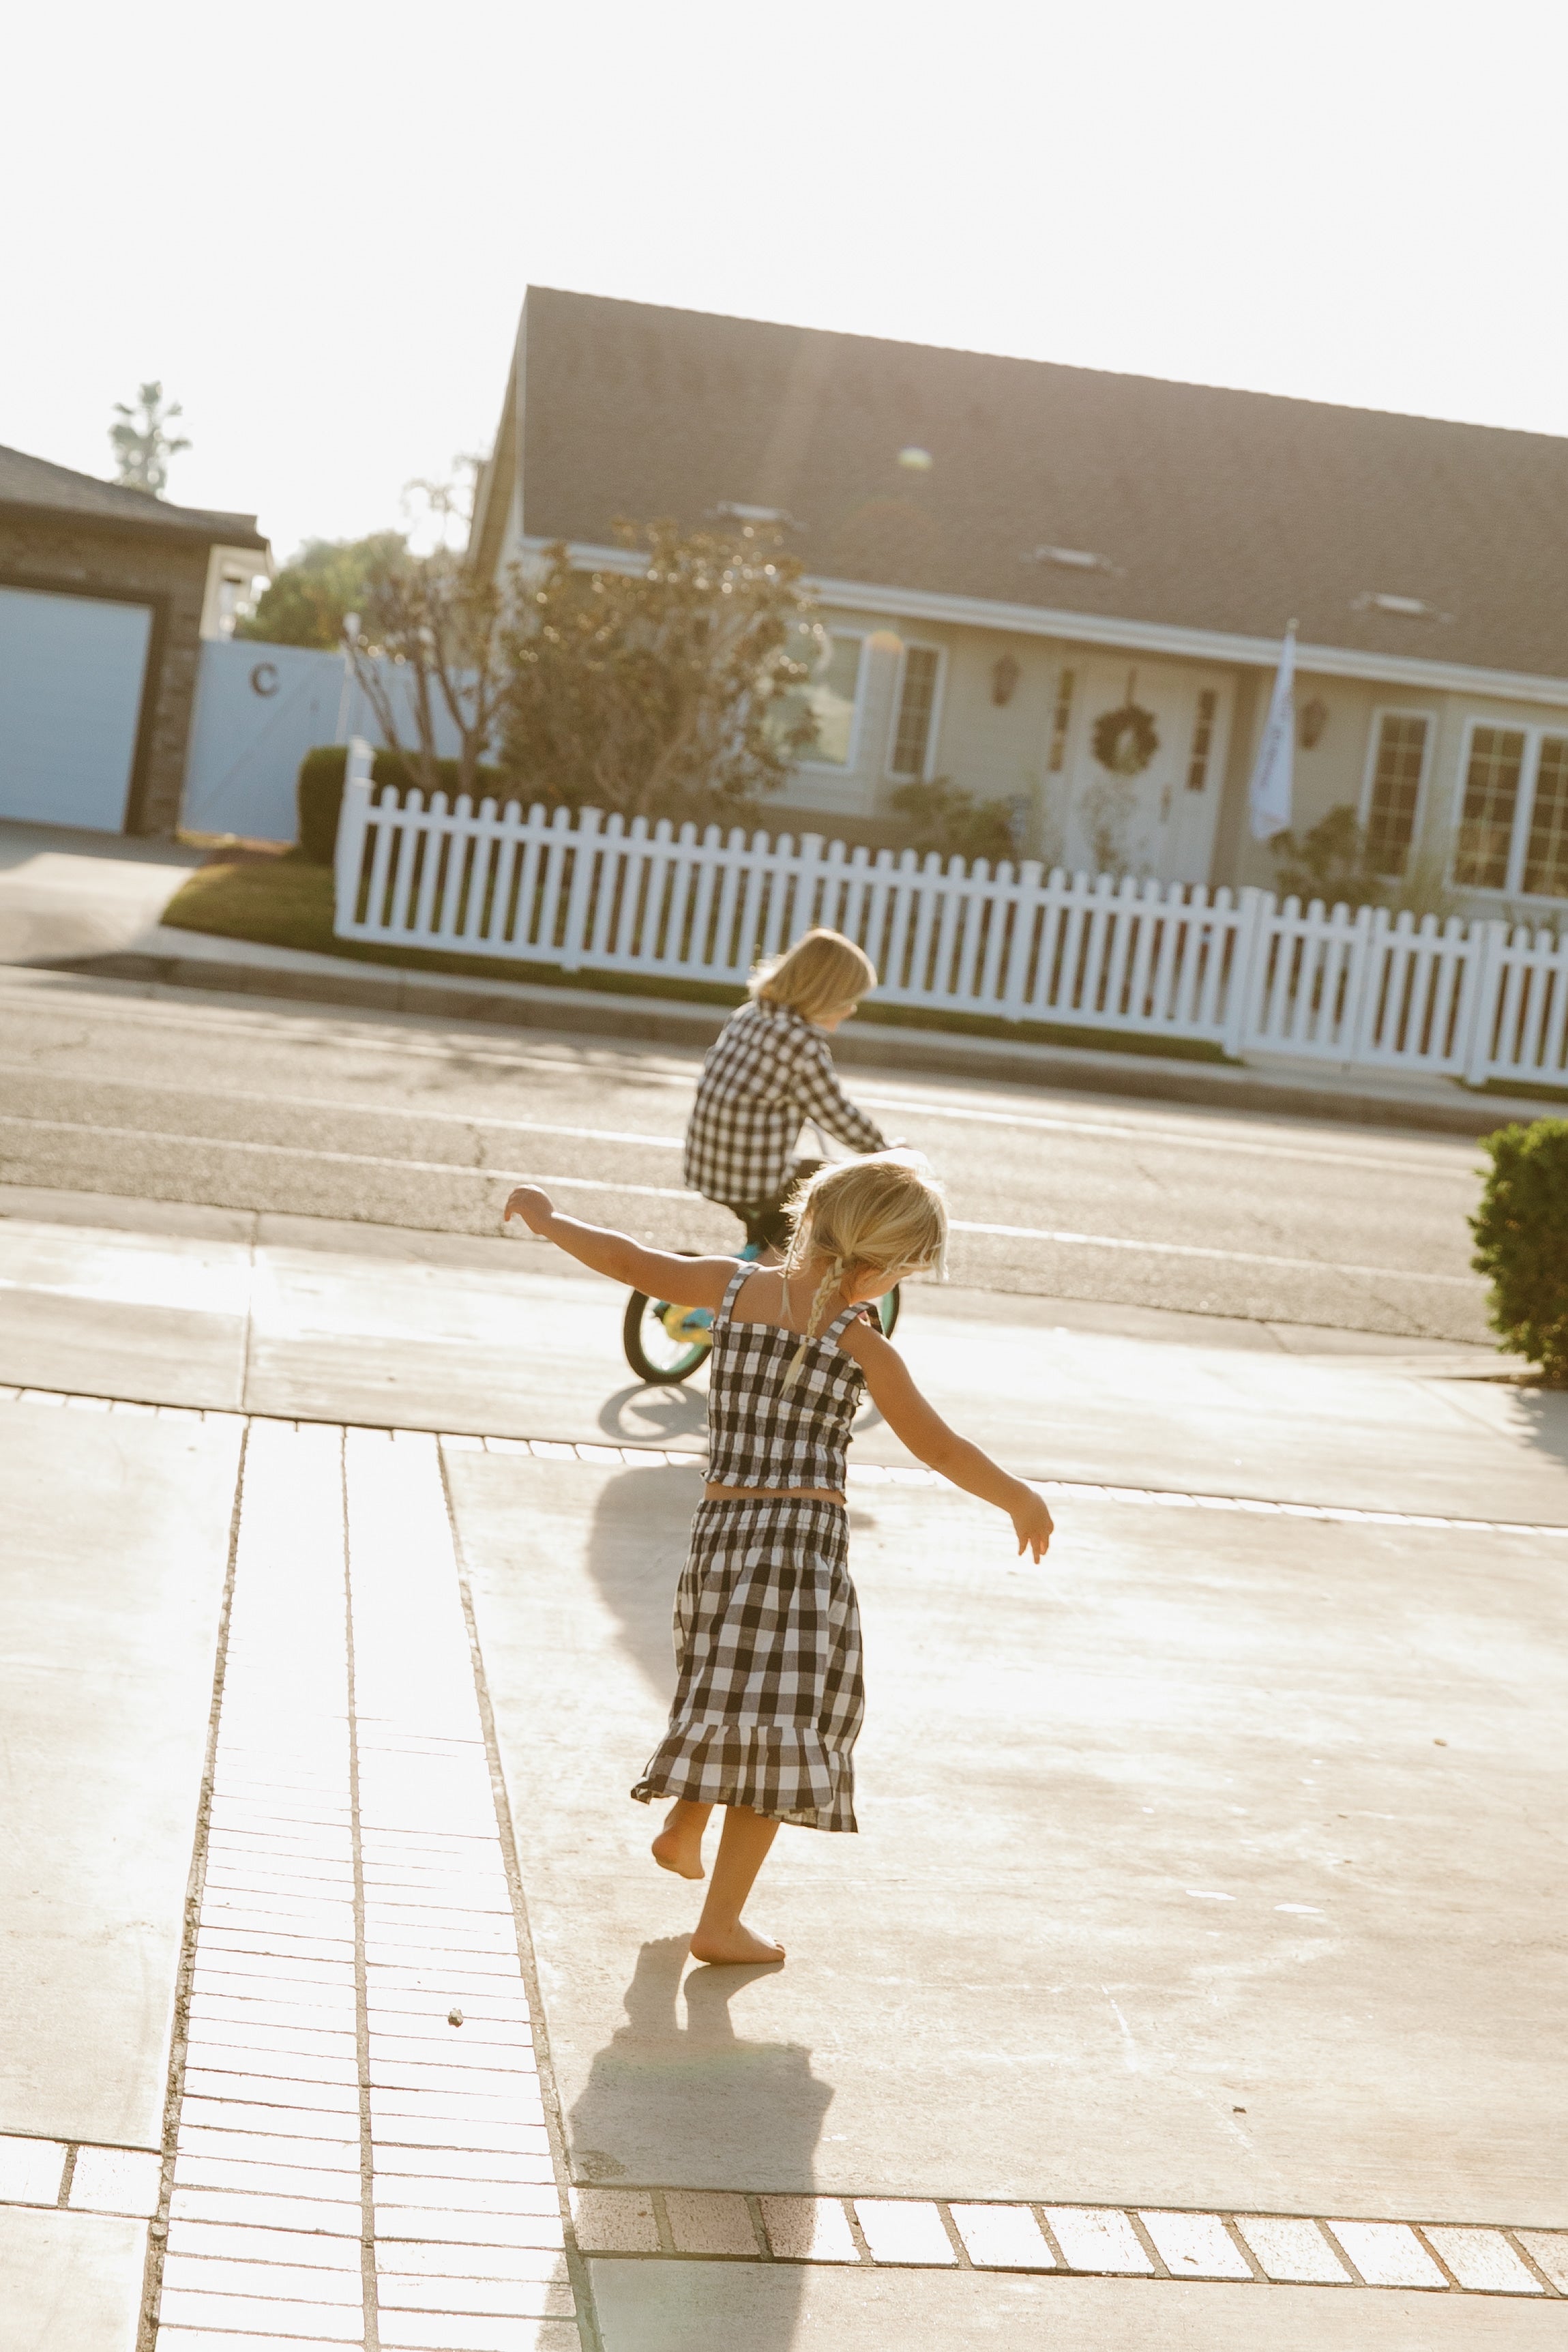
[(200, 530), (1193, 644), (1127, 635)]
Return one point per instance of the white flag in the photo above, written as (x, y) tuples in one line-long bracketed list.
[(1269, 795)]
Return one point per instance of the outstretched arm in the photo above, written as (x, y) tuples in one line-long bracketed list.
[(686, 1281), (930, 1441), (823, 1100)]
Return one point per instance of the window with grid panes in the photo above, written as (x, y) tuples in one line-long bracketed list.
[(1395, 790), (1546, 850), (1487, 811), (1060, 718), (1202, 740), (916, 703)]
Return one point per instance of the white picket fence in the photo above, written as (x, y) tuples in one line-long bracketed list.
[(577, 891)]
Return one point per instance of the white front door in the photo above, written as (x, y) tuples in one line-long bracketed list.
[(71, 674), (1152, 810)]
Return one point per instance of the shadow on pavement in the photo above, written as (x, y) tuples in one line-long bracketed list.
[(662, 1414), (733, 2114), (1542, 1421), (637, 1547)]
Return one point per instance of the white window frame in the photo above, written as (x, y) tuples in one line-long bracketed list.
[(1380, 711), (847, 766), (1534, 731), (934, 732)]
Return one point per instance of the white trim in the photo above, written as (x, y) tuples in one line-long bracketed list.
[(1523, 800), (1209, 645), (1513, 884), (933, 724), (1428, 718)]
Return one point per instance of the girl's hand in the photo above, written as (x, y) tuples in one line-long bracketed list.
[(535, 1208), (1033, 1524)]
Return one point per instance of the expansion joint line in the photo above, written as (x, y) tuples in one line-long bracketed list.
[(158, 2229), (362, 1999)]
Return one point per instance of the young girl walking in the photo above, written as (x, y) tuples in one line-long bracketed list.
[(769, 1699)]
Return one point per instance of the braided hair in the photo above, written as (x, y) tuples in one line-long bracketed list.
[(884, 1211)]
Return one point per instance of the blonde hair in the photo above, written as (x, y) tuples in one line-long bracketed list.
[(821, 973), (885, 1212)]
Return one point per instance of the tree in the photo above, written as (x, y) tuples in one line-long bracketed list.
[(437, 623), (312, 596), (449, 501), (666, 689), (142, 443)]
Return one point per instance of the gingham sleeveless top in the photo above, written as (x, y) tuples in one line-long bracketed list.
[(761, 1434)]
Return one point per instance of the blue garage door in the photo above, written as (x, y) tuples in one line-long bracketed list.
[(71, 673)]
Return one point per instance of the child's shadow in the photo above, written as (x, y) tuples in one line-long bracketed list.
[(673, 2104)]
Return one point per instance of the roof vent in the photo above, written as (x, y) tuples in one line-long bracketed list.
[(1409, 608), (731, 510), (1070, 558)]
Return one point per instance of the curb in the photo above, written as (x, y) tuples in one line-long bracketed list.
[(320, 980)]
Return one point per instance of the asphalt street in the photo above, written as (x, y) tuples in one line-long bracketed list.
[(419, 1124)]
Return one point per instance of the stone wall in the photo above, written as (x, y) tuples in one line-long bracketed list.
[(169, 572)]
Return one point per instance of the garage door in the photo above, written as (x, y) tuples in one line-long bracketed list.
[(71, 674)]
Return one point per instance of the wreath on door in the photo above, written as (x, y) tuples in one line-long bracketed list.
[(1125, 740)]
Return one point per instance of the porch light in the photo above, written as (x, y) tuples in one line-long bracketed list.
[(1005, 675), (1314, 719)]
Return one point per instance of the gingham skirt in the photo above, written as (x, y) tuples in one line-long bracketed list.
[(770, 1701)]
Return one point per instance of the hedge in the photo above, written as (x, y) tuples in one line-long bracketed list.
[(318, 795), (1522, 1242)]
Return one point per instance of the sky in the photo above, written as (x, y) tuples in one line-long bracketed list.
[(315, 224)]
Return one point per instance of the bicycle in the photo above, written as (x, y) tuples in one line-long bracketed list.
[(665, 1343)]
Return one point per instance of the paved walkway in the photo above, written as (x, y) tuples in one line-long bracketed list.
[(64, 893), (1189, 1985)]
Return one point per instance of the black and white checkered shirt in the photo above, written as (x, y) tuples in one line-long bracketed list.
[(767, 1072)]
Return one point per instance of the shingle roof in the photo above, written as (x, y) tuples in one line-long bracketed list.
[(33, 482), (1228, 511)]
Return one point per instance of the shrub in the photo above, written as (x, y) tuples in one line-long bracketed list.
[(318, 795), (943, 816), (1522, 1242), (1330, 863)]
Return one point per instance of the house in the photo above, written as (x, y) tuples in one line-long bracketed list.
[(106, 594), (1067, 590)]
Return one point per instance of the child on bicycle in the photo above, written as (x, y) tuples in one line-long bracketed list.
[(769, 1070), (769, 1697)]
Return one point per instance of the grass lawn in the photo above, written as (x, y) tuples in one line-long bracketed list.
[(284, 902), (1557, 1094)]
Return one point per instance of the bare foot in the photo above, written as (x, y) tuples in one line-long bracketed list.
[(684, 1856), (733, 1946)]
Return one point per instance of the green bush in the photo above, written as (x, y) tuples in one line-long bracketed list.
[(1522, 1242), (318, 795), (942, 816)]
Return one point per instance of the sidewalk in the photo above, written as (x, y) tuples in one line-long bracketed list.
[(1182, 1988), (66, 894)]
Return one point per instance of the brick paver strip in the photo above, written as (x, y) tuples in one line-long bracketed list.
[(356, 1915), (341, 2156), (1293, 2253)]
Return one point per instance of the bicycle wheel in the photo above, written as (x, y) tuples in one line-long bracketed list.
[(655, 1353), (887, 1312)]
